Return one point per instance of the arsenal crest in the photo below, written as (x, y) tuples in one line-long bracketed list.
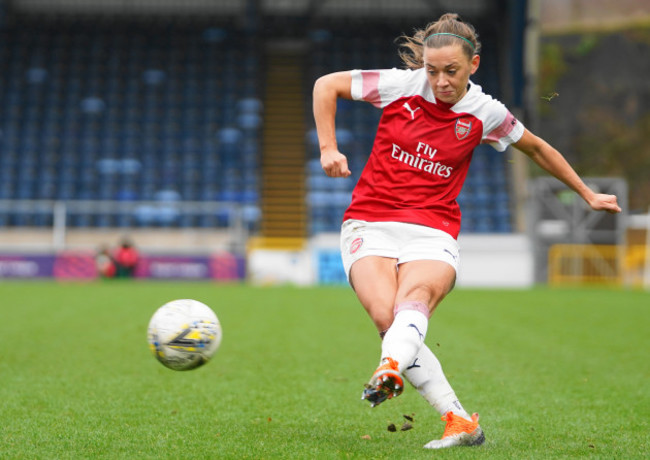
[(463, 127)]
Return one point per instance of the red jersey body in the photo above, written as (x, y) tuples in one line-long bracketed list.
[(422, 148)]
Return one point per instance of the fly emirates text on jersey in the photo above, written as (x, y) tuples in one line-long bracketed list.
[(420, 160)]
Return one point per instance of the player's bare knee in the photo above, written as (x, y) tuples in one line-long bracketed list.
[(429, 293)]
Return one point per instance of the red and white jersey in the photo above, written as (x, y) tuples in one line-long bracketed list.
[(423, 148)]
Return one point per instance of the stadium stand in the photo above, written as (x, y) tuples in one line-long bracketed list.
[(118, 110), (171, 112)]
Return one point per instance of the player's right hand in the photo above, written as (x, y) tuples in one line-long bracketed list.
[(334, 163)]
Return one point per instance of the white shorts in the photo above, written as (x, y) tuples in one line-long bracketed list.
[(397, 240)]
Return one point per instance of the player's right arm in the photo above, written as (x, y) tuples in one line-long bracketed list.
[(327, 90)]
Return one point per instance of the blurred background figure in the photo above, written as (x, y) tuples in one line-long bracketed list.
[(104, 262), (126, 259)]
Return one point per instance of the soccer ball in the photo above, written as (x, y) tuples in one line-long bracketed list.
[(184, 334)]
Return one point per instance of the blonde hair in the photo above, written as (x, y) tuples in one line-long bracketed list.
[(448, 30)]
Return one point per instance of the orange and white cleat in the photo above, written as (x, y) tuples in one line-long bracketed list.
[(458, 432), (386, 383)]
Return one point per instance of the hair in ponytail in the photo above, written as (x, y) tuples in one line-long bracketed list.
[(448, 30)]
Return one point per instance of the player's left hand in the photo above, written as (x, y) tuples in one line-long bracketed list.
[(604, 202)]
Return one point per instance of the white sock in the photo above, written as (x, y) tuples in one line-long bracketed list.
[(426, 375), (406, 335)]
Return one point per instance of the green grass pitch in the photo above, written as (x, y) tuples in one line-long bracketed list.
[(554, 373)]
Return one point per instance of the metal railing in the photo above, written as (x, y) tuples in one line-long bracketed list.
[(238, 219)]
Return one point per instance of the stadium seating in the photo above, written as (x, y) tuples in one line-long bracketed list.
[(167, 113), (112, 110)]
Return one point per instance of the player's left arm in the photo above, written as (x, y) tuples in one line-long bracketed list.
[(547, 157)]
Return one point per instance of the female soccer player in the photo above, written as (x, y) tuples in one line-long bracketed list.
[(398, 238)]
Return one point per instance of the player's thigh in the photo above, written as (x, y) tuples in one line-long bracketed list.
[(374, 280), (427, 281)]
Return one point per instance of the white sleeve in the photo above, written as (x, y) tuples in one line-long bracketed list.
[(381, 87), (504, 132)]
